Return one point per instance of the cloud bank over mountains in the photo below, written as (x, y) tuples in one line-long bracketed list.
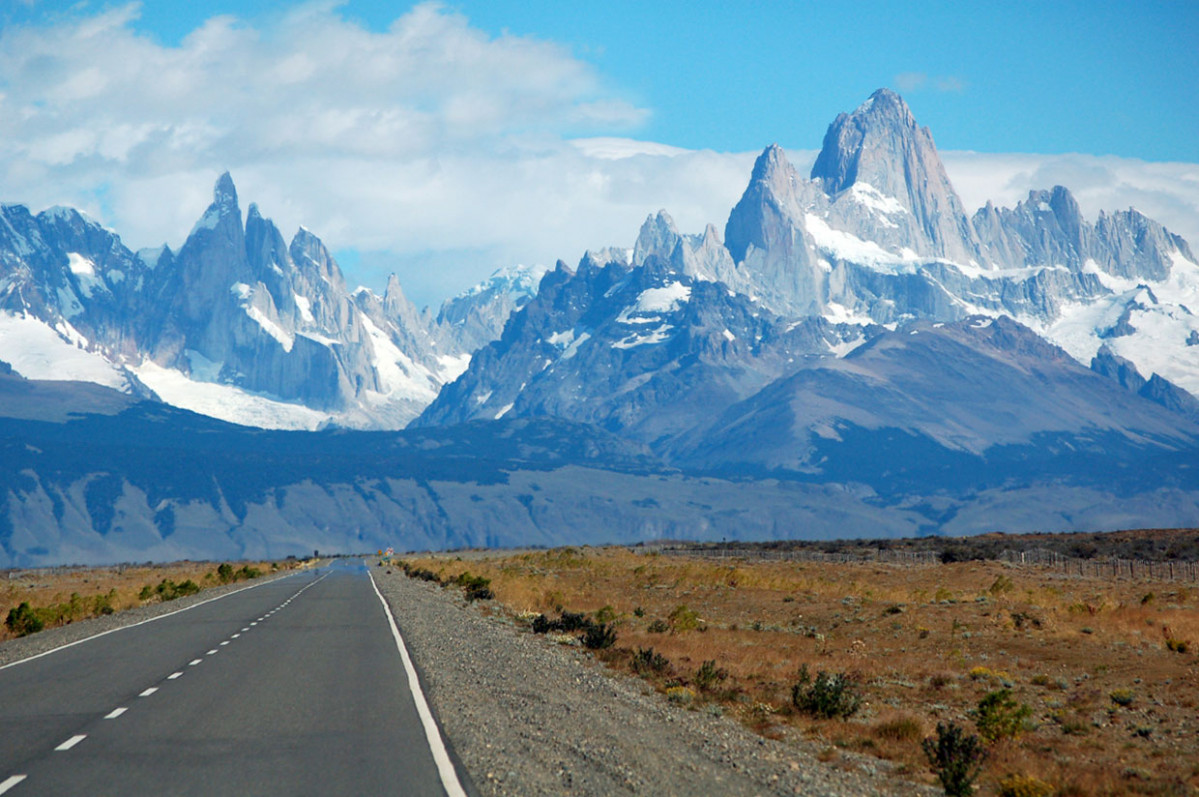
[(432, 136)]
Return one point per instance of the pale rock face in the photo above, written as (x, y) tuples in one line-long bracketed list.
[(880, 145)]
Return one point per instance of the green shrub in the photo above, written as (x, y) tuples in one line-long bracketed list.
[(1177, 645), (605, 614), (708, 675), (224, 573), (543, 625), (955, 758), (999, 716), (598, 636), (830, 695), (647, 660), (1122, 697), (680, 695), (658, 627), (574, 621), (475, 588), (23, 620), (683, 619)]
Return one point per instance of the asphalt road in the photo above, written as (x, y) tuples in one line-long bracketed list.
[(294, 687)]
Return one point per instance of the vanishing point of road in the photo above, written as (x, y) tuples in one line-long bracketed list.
[(298, 686)]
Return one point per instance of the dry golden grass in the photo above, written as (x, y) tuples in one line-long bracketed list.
[(926, 643), (51, 586)]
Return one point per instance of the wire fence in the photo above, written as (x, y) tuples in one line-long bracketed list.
[(1098, 567), (1106, 567)]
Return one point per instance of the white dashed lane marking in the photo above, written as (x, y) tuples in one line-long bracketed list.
[(149, 691), (9, 782), (69, 743), (116, 712), (173, 676), (194, 662), (211, 652)]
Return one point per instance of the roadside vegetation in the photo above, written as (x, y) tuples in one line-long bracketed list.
[(975, 676), (34, 600)]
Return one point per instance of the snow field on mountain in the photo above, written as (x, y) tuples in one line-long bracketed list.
[(226, 402), (36, 351), (399, 376), (1163, 317)]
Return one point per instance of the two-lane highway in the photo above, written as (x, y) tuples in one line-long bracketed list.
[(290, 687)]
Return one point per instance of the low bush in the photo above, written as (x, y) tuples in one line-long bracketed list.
[(648, 661), (1024, 786), (708, 675), (598, 636), (475, 588), (684, 619), (23, 620), (1122, 697), (955, 758), (829, 695), (681, 695), (574, 621), (999, 716)]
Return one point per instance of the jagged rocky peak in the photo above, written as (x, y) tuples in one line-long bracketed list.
[(659, 236), (311, 256), (766, 208), (882, 126), (772, 165), (880, 155), (223, 215)]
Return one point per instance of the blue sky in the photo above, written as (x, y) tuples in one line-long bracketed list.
[(1102, 78), (483, 159)]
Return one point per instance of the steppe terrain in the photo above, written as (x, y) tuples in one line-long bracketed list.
[(1106, 666)]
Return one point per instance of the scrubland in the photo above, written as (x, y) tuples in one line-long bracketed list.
[(32, 600), (1075, 685)]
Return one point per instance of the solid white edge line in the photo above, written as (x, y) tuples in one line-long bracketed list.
[(441, 757), (11, 781), (69, 743), (143, 622), (116, 712)]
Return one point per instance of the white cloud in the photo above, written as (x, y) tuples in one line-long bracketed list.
[(910, 81), (430, 147)]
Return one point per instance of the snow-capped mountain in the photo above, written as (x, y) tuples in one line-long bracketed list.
[(647, 351), (658, 343), (477, 316), (238, 324), (878, 233)]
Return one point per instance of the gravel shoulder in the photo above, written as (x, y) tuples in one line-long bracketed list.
[(21, 648), (529, 717)]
